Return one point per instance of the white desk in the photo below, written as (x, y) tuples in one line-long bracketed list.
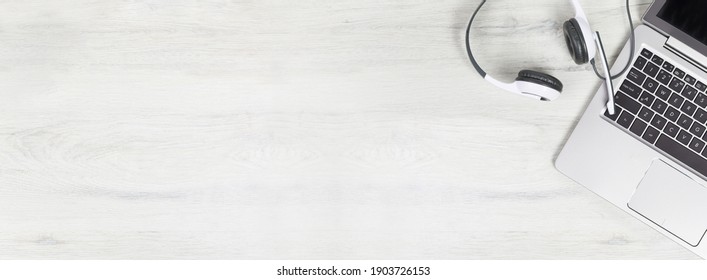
[(296, 129)]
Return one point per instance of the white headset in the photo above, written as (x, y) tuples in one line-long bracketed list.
[(541, 86)]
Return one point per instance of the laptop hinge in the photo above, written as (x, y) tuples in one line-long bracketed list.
[(685, 52)]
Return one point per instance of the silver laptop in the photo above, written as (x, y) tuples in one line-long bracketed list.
[(650, 158)]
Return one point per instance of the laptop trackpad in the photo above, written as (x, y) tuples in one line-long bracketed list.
[(673, 201)]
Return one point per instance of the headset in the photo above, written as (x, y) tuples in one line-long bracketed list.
[(579, 37)]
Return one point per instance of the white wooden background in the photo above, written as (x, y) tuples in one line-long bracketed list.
[(275, 129)]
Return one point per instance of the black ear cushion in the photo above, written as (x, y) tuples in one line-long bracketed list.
[(540, 79), (575, 41)]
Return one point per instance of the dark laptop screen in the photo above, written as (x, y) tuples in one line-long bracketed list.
[(690, 16)]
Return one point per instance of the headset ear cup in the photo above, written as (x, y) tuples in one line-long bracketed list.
[(539, 79), (576, 44)]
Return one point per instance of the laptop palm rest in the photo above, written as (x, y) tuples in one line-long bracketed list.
[(673, 201)]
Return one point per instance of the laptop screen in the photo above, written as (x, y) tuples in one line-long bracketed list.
[(688, 16)]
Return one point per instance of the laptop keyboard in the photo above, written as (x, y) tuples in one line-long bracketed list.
[(667, 108)]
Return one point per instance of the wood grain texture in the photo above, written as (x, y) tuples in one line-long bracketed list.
[(277, 129)]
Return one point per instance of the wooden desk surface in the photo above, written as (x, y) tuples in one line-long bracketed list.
[(307, 129)]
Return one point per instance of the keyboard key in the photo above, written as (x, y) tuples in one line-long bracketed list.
[(627, 103), (646, 98), (651, 69), (701, 100), (684, 137), (650, 85), (657, 60), (677, 85), (697, 129), (625, 119), (684, 121), (682, 154), (690, 80), (659, 122), (659, 106), (651, 135), (663, 93), (700, 86), (676, 100), (640, 63), (671, 129), (664, 77), (688, 108), (668, 66), (617, 112), (689, 92), (672, 114), (646, 53), (679, 73), (701, 116), (697, 145), (646, 114), (638, 127), (636, 76), (631, 89)]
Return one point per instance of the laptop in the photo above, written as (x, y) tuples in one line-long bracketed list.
[(650, 157)]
